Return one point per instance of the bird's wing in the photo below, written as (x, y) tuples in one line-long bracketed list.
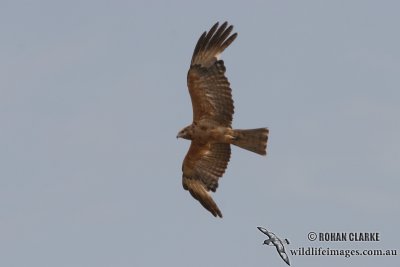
[(281, 251), (202, 167), (266, 232), (284, 256), (273, 236), (209, 88)]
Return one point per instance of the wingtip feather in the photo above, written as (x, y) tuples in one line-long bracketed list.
[(212, 43), (198, 191)]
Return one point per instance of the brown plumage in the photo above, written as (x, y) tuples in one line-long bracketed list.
[(211, 131)]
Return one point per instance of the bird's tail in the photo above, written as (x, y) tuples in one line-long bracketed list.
[(254, 140)]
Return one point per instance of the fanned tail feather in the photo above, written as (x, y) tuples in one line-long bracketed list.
[(254, 140)]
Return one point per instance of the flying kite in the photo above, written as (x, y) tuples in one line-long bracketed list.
[(211, 131)]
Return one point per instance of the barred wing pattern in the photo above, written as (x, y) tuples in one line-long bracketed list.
[(202, 167), (208, 87), (211, 97)]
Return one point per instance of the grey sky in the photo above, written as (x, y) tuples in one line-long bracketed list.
[(92, 94)]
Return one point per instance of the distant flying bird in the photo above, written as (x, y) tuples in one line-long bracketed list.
[(273, 240), (211, 131)]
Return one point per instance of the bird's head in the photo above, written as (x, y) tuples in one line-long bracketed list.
[(185, 133), (267, 242)]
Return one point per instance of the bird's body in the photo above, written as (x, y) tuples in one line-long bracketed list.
[(206, 131), (211, 131)]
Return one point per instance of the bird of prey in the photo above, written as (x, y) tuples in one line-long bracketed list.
[(273, 240), (211, 131)]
